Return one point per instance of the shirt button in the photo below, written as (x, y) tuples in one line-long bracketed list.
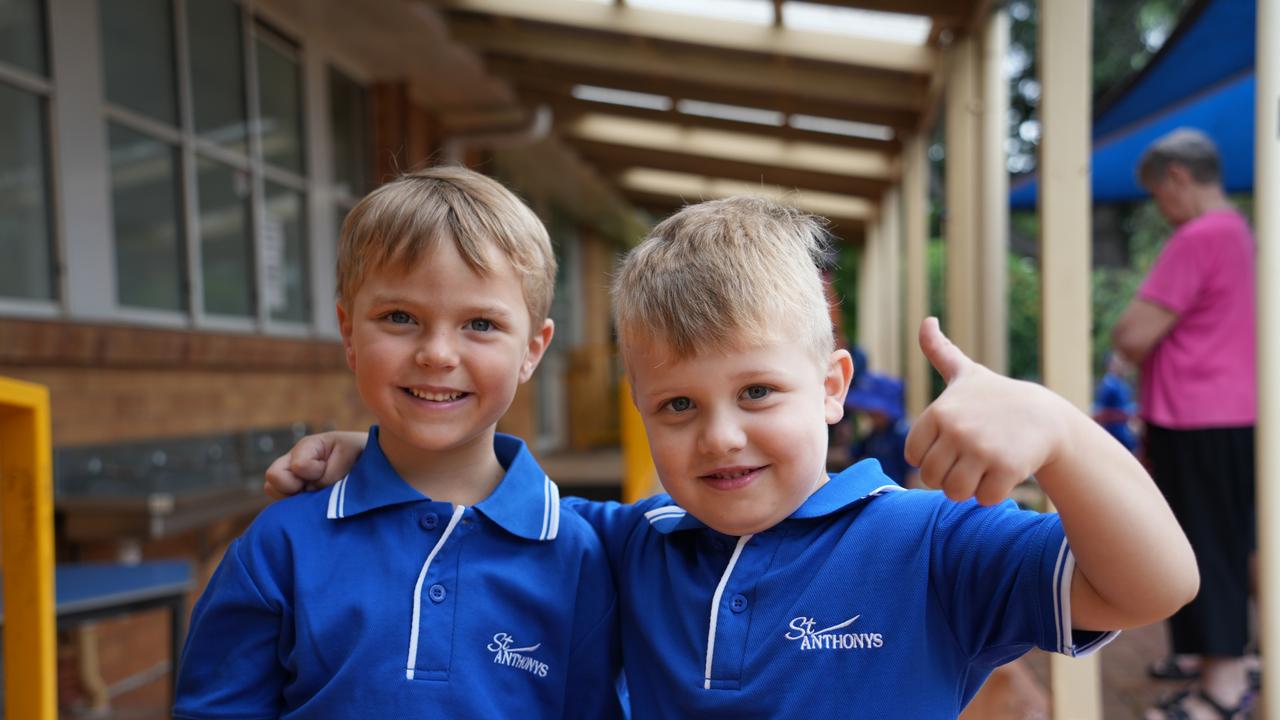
[(429, 521), (436, 593), (738, 603)]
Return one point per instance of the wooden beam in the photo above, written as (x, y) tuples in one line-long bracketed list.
[(915, 212), (720, 35), (621, 157), (723, 145), (568, 108), (962, 196), (558, 77), (1267, 217), (661, 205), (737, 71), (1065, 46), (993, 189), (699, 187), (947, 11)]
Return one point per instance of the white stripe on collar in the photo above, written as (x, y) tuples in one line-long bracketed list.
[(550, 510), (662, 513), (338, 500)]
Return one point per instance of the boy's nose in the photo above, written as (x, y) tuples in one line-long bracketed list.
[(438, 351), (721, 435)]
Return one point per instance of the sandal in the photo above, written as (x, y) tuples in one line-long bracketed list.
[(1168, 668), (1174, 708)]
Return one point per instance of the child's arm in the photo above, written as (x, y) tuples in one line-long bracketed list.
[(314, 462), (986, 433), (230, 665)]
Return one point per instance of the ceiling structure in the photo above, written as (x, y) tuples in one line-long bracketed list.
[(672, 105)]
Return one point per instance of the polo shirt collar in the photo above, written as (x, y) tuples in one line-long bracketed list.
[(526, 502), (857, 483)]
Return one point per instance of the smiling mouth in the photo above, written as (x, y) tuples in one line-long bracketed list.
[(436, 397), (732, 478)]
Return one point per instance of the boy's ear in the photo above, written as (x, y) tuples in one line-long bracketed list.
[(538, 343), (836, 384), (344, 327)]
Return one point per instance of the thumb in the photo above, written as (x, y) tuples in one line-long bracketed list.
[(942, 354)]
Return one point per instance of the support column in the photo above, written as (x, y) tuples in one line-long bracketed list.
[(1266, 194), (1065, 235), (962, 196), (993, 236), (891, 282), (870, 293), (915, 215)]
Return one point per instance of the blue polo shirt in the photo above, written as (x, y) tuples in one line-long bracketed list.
[(369, 600), (868, 601)]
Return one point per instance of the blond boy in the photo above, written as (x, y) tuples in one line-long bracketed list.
[(761, 586), (440, 578)]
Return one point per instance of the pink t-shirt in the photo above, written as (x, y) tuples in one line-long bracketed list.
[(1202, 374)]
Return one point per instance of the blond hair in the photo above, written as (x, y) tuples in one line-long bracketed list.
[(727, 274), (402, 220)]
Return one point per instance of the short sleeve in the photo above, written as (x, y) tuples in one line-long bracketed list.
[(231, 662), (612, 521), (1003, 576), (1177, 278)]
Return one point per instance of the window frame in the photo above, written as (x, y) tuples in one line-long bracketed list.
[(43, 88)]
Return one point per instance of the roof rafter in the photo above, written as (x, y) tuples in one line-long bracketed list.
[(733, 146), (689, 187), (716, 34), (557, 77), (567, 108), (834, 84), (618, 158)]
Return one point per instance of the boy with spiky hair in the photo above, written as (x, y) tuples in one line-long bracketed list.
[(440, 577), (762, 587)]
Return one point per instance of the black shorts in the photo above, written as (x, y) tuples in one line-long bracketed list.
[(1207, 476)]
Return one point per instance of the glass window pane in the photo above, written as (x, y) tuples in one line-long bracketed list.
[(226, 245), (145, 204), (217, 72), (137, 52), (284, 241), (349, 119), (22, 35), (25, 242), (280, 105)]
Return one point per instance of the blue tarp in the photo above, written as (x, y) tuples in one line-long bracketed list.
[(1202, 78)]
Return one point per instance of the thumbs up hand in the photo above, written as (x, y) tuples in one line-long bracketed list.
[(985, 433)]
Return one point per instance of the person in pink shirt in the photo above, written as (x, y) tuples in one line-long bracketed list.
[(1191, 328)]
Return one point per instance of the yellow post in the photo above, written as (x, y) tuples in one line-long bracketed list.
[(639, 479), (26, 528)]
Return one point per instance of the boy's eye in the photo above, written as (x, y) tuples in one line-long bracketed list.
[(680, 404), (399, 317), (757, 392), (480, 325)]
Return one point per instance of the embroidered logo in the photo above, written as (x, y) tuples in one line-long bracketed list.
[(829, 638), (516, 657)]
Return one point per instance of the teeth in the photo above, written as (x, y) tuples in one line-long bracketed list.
[(729, 475), (435, 397)]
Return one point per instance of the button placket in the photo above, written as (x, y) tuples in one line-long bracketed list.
[(736, 607), (438, 597)]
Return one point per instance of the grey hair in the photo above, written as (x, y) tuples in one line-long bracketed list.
[(727, 274), (1187, 147)]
